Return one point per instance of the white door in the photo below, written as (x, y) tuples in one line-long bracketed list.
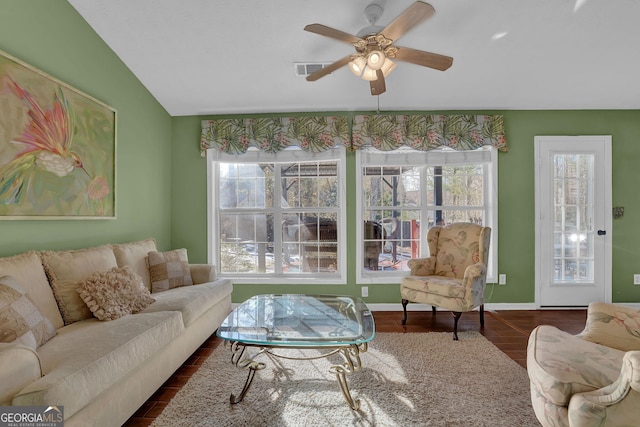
[(573, 220)]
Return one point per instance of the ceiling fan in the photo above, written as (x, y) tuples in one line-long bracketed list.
[(375, 49)]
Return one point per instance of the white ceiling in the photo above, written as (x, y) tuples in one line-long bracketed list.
[(236, 56)]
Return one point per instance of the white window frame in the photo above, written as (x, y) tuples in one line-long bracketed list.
[(442, 157), (289, 155)]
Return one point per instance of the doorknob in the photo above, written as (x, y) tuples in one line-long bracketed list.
[(602, 232)]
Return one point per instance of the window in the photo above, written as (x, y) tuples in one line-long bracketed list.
[(277, 217), (405, 192)]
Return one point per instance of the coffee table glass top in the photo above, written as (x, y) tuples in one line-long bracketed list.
[(299, 321)]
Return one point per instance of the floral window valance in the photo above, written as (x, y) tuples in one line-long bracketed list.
[(313, 134), (384, 132), (427, 132)]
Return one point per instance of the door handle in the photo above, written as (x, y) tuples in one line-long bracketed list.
[(602, 232)]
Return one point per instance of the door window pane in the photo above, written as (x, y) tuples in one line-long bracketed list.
[(573, 220)]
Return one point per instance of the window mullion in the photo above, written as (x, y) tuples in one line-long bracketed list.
[(424, 212), (277, 219)]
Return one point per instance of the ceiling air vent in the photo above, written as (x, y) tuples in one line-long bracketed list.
[(303, 69)]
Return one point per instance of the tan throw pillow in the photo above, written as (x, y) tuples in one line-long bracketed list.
[(20, 321), (114, 293), (134, 255), (169, 270), (66, 268), (27, 269)]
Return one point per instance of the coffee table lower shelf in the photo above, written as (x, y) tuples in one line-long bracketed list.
[(349, 352)]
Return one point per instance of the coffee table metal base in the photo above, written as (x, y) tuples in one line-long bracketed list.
[(350, 354)]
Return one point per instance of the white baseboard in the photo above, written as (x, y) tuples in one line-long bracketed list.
[(496, 306), (629, 304), (426, 307)]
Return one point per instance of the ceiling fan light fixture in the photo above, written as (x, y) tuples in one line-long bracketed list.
[(388, 67), (369, 74), (357, 65), (375, 59)]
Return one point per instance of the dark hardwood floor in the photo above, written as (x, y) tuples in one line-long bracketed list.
[(508, 330)]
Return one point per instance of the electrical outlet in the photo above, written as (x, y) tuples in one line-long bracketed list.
[(636, 279), (365, 291), (502, 279)]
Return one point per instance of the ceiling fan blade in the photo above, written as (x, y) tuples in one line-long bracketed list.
[(323, 30), (378, 86), (329, 69), (414, 15), (426, 59)]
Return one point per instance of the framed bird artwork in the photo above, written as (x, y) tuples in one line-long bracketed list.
[(57, 148)]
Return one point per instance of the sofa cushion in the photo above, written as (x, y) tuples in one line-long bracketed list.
[(87, 358), (169, 270), (66, 268), (437, 285), (134, 255), (27, 269), (191, 301), (20, 321), (560, 364), (114, 293)]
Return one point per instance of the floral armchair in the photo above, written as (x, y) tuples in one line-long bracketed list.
[(453, 277), (589, 379)]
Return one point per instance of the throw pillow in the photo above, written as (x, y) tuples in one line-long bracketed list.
[(27, 269), (114, 293), (169, 270), (134, 254), (66, 268), (20, 321)]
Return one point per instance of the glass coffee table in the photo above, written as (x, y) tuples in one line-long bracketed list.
[(338, 324)]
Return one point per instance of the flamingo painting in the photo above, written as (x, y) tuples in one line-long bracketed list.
[(47, 154)]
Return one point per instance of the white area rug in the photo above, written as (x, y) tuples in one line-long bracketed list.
[(413, 379)]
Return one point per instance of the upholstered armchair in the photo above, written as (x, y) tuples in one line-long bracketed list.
[(590, 379), (454, 276)]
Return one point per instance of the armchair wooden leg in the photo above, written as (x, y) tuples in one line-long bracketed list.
[(404, 307), (482, 315), (456, 317), (433, 309)]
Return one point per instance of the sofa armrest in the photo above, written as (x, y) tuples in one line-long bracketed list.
[(19, 367), (422, 266), (202, 273), (613, 325), (615, 404)]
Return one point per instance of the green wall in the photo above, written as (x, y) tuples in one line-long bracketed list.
[(516, 255), (53, 37), (161, 177)]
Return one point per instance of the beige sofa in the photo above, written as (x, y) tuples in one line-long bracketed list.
[(101, 372), (589, 379)]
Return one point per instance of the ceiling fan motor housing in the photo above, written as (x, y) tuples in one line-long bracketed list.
[(375, 44), (372, 13)]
